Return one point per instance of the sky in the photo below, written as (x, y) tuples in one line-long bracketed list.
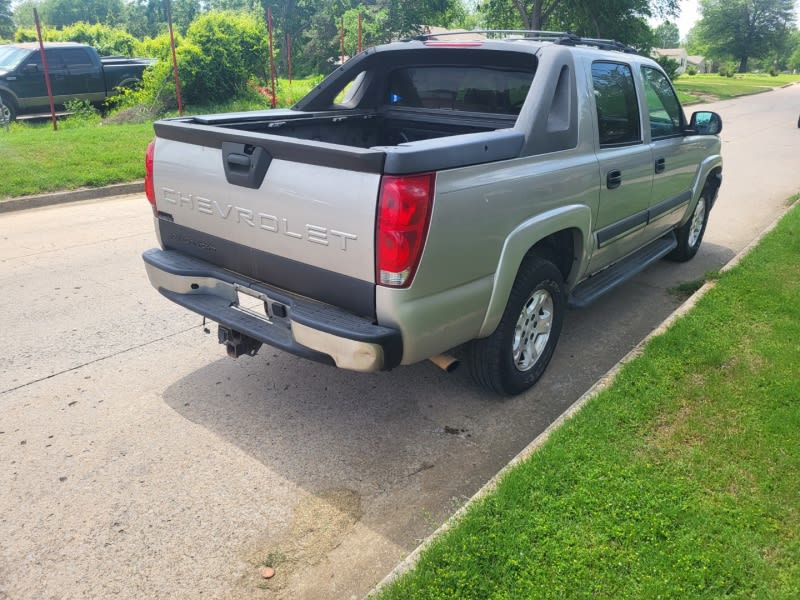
[(688, 17)]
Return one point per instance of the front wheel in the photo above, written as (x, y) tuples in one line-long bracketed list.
[(7, 112), (690, 234), (515, 356)]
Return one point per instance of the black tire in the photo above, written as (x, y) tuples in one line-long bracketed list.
[(515, 356), (9, 112), (690, 234)]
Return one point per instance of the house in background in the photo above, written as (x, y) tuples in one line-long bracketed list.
[(684, 61), (677, 54), (698, 62)]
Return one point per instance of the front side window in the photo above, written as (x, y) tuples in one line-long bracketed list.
[(617, 105), (666, 115)]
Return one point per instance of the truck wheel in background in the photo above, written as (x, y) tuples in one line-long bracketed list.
[(7, 111), (515, 356), (690, 234)]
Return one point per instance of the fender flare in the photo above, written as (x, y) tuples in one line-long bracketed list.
[(710, 167), (8, 94), (524, 237)]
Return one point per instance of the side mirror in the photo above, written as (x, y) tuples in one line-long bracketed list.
[(705, 122)]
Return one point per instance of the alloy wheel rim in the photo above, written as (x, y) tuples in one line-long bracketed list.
[(532, 331), (697, 222)]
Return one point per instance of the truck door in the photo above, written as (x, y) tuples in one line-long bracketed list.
[(30, 79), (625, 162), (85, 77), (674, 158)]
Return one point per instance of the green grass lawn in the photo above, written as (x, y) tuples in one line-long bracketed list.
[(682, 480), (36, 159), (712, 85)]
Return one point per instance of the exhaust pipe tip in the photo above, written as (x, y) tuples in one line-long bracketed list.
[(445, 362)]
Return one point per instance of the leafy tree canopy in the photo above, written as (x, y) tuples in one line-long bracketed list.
[(6, 20), (624, 20), (667, 35), (745, 29)]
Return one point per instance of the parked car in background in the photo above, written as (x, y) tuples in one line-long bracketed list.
[(76, 72)]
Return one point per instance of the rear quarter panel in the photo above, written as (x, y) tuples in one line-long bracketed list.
[(475, 245)]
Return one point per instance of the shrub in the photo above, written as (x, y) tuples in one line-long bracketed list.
[(231, 48), (219, 54), (107, 40), (669, 65), (82, 113), (691, 70)]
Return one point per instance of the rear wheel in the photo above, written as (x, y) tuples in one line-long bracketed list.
[(516, 355), (690, 234)]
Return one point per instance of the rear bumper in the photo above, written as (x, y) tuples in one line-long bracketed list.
[(297, 325)]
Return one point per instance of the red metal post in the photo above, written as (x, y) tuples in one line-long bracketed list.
[(289, 54), (174, 58), (46, 70), (359, 32), (271, 59), (341, 39)]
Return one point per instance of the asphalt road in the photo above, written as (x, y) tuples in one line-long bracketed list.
[(136, 460)]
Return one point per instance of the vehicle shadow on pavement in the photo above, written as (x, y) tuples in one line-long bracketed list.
[(400, 451)]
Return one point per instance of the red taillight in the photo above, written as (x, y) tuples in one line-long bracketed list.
[(404, 210), (149, 189)]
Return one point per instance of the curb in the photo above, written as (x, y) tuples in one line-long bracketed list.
[(25, 202), (604, 382)]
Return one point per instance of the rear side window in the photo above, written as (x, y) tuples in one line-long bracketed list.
[(76, 58), (463, 88), (617, 106)]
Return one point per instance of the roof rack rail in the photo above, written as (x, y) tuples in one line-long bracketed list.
[(563, 38)]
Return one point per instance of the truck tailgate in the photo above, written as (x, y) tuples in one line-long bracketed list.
[(314, 218)]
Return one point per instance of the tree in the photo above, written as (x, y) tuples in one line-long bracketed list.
[(667, 35), (60, 13), (6, 21), (624, 20), (745, 29), (793, 61), (593, 16), (23, 13)]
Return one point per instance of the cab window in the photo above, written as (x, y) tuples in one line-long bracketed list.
[(616, 103), (666, 115)]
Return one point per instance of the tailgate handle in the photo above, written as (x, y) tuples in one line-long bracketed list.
[(236, 161), (245, 164)]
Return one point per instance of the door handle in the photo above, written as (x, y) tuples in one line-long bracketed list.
[(614, 179), (661, 165)]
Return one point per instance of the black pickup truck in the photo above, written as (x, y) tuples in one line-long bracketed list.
[(76, 72)]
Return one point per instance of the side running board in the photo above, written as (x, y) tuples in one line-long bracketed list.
[(604, 281)]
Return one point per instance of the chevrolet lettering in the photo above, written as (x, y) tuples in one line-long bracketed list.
[(455, 198), (312, 233)]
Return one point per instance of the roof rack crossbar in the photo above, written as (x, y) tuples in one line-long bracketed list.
[(563, 38)]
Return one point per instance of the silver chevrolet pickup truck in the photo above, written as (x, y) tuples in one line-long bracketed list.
[(432, 194)]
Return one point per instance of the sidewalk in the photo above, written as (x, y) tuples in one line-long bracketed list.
[(25, 202)]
